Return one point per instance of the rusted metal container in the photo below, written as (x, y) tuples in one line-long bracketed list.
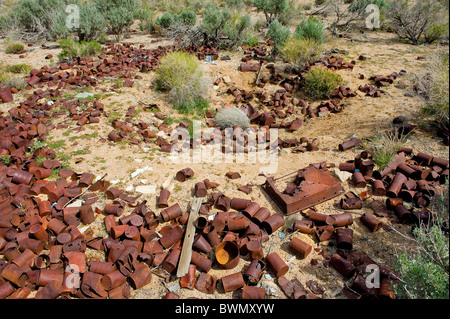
[(233, 282), (227, 254), (202, 263), (15, 275), (353, 142), (358, 180), (342, 266), (170, 263), (239, 204), (206, 283), (325, 188), (200, 223), (371, 222), (201, 244), (351, 203), (378, 188), (121, 292), (212, 236), (50, 291), (344, 238), (299, 247), (253, 272), (261, 215), (273, 223), (113, 280), (251, 210), (200, 190), (324, 233), (304, 226), (188, 280), (141, 277), (255, 250), (276, 264), (251, 292), (163, 198), (396, 185), (171, 212), (404, 215), (319, 218), (171, 237), (184, 174), (341, 220), (237, 224)]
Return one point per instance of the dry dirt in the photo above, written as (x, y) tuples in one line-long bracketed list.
[(363, 117)]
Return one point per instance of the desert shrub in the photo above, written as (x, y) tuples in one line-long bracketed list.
[(18, 68), (310, 29), (437, 93), (301, 51), (278, 34), (215, 22), (187, 17), (424, 274), (119, 14), (272, 9), (39, 15), (92, 23), (181, 74), (11, 79), (166, 20), (72, 49), (383, 147), (360, 5), (198, 106), (147, 23), (320, 82), (229, 117), (14, 48), (413, 22)]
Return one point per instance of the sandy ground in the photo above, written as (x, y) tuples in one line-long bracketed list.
[(363, 117)]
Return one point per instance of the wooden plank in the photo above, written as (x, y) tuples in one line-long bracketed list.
[(186, 252), (259, 73)]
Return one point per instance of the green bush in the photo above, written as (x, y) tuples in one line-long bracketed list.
[(19, 68), (272, 9), (39, 15), (438, 95), (301, 51), (358, 5), (235, 4), (166, 20), (187, 17), (424, 274), (383, 147), (278, 34), (181, 74), (320, 82), (14, 48), (92, 23), (119, 15), (72, 49), (310, 29), (146, 17)]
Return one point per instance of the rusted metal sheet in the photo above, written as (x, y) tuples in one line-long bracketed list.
[(313, 187)]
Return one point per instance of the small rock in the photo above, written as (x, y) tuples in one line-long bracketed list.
[(226, 79), (148, 189)]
